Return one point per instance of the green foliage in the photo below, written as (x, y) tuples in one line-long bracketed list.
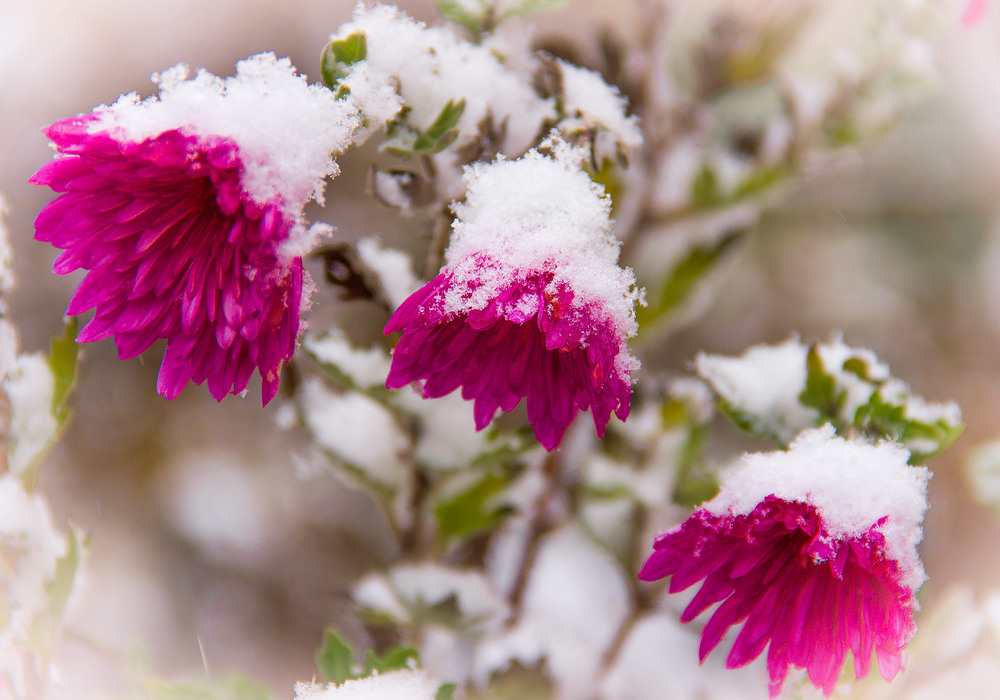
[(470, 511), (339, 55), (335, 660), (63, 354), (821, 391), (446, 692), (684, 277), (887, 418), (404, 141)]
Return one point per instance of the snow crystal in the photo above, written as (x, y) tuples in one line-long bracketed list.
[(575, 601), (851, 484), (395, 685), (366, 368), (586, 93), (433, 66), (374, 92), (538, 213), (392, 268), (427, 585), (285, 128), (29, 548), (356, 429), (30, 388)]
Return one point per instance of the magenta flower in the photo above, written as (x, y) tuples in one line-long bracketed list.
[(530, 304), (186, 210), (822, 565)]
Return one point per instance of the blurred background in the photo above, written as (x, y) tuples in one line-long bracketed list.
[(205, 552)]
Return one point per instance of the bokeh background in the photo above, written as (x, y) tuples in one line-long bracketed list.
[(209, 548)]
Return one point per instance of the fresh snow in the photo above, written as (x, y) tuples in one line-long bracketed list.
[(432, 65), (539, 213), (286, 129), (395, 685), (852, 485)]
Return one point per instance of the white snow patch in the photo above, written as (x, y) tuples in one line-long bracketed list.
[(432, 66), (29, 387), (220, 506), (656, 655), (395, 685), (357, 430), (852, 485), (585, 93), (449, 439), (366, 368), (29, 549), (411, 586), (285, 128), (575, 601), (392, 267), (763, 384)]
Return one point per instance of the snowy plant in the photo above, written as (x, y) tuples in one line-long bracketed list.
[(563, 210)]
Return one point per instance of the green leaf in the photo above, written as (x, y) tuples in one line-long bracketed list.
[(685, 276), (339, 55), (821, 391), (393, 660), (446, 692), (705, 189), (63, 354), (887, 419), (762, 180), (42, 631), (399, 658), (440, 134), (334, 659), (468, 512)]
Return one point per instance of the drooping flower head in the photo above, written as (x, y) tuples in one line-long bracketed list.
[(186, 209), (530, 302), (813, 550)]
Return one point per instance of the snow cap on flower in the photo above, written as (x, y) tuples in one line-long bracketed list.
[(813, 550), (186, 208), (530, 303)]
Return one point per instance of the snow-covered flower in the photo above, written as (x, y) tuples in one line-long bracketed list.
[(186, 208), (530, 302), (813, 550)]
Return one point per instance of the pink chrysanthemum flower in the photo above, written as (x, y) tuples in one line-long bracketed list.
[(813, 550), (186, 209), (530, 303)]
